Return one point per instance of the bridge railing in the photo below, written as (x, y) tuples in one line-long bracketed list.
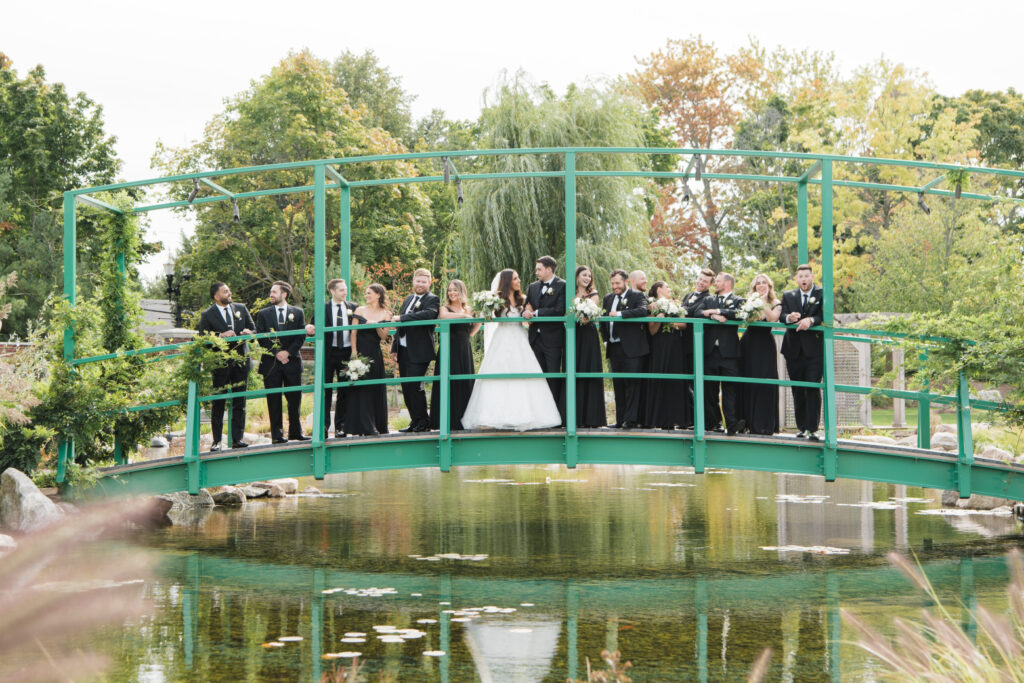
[(828, 386)]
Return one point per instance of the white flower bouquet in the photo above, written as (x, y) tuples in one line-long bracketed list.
[(357, 368), (585, 310), (752, 309), (488, 303), (671, 309)]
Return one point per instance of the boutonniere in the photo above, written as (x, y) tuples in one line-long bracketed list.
[(291, 317), (550, 290), (811, 300), (238, 315), (418, 304), (273, 329)]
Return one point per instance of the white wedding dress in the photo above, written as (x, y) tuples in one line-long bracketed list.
[(518, 404)]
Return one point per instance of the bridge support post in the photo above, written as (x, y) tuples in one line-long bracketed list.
[(345, 246), (571, 439), (319, 258), (444, 439), (191, 456), (699, 451), (801, 221), (965, 452), (924, 410), (66, 446), (830, 464)]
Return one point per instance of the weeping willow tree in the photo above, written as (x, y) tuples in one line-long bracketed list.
[(509, 223)]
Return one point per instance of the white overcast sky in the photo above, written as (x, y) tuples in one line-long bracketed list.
[(162, 69)]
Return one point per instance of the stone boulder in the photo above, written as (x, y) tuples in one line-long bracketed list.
[(944, 441), (183, 500), (23, 507), (230, 496), (990, 395), (254, 492), (272, 490), (996, 453), (289, 486), (158, 442), (945, 429), (980, 502), (311, 491)]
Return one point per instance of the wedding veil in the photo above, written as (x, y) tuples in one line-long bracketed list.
[(491, 328)]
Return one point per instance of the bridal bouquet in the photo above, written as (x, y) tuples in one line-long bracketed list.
[(488, 303), (585, 310), (752, 309), (357, 368), (669, 307)]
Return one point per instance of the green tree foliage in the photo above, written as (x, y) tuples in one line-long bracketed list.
[(509, 223), (375, 92), (50, 142), (296, 112)]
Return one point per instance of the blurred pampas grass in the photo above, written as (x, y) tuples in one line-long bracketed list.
[(59, 586), (937, 649)]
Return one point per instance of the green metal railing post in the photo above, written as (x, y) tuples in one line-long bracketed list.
[(965, 439), (446, 626), (830, 464), (700, 604), (316, 618), (444, 439), (190, 608), (924, 409), (345, 248), (66, 446), (835, 626), (801, 222), (571, 439), (191, 456), (319, 264), (699, 445)]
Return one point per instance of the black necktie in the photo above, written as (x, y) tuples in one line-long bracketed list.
[(805, 300), (227, 317), (280, 316), (339, 321)]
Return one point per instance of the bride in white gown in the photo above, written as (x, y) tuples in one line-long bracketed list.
[(518, 404)]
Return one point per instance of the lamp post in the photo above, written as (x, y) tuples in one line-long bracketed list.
[(174, 289)]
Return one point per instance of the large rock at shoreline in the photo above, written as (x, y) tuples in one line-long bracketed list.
[(943, 441), (231, 496), (287, 485), (977, 501), (183, 500), (996, 453), (23, 507)]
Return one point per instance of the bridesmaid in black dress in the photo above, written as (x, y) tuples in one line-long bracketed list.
[(590, 410), (760, 402), (666, 407), (366, 409), (456, 306)]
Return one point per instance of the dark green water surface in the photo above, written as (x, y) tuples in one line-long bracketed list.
[(665, 566)]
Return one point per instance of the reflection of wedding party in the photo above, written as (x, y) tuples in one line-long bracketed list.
[(514, 343)]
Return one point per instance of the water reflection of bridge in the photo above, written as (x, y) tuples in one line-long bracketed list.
[(701, 604)]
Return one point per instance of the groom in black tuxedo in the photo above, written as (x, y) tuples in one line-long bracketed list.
[(693, 303), (804, 349), (546, 297), (414, 347), (626, 347), (337, 312), (722, 357), (281, 363), (226, 319)]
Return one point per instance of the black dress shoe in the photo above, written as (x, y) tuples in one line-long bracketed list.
[(408, 430), (813, 437), (215, 448), (279, 439), (801, 435), (300, 437), (627, 425), (240, 444), (719, 430)]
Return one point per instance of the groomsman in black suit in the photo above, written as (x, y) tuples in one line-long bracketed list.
[(804, 349), (337, 312), (722, 357), (414, 347), (626, 347), (227, 319), (546, 297), (281, 363), (693, 304)]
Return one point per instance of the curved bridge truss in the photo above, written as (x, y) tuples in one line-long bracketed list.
[(830, 458)]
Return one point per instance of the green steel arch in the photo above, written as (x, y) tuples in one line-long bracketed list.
[(829, 458)]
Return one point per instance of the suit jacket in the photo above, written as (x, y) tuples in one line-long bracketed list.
[(547, 301), (266, 321), (809, 341), (419, 340), (725, 337), (329, 320), (212, 321), (692, 304), (633, 336)]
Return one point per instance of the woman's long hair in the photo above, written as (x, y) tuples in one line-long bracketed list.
[(590, 288), (505, 289), (381, 293), (653, 294), (460, 286), (772, 298)]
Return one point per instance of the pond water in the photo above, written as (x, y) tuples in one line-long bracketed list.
[(523, 573)]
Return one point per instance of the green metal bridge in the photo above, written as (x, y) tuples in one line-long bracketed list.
[(443, 449)]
